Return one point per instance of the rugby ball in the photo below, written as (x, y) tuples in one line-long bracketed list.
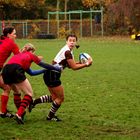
[(83, 57)]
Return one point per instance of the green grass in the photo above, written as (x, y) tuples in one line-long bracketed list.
[(102, 102)]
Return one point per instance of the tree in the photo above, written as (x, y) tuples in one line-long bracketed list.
[(66, 2), (96, 4), (124, 16), (13, 2), (17, 9)]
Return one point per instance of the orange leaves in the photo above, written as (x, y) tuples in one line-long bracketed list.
[(88, 3), (95, 3), (21, 3)]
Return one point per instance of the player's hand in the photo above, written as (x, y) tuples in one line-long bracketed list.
[(40, 57), (89, 62), (60, 68)]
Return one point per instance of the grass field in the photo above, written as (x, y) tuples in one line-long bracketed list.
[(102, 102)]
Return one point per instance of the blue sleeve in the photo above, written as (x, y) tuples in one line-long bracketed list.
[(35, 72), (50, 67)]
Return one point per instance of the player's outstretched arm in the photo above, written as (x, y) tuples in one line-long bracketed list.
[(35, 72), (76, 66), (50, 67)]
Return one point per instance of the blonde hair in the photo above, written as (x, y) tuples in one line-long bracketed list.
[(28, 47)]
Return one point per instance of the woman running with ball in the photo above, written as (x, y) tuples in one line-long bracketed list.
[(52, 80)]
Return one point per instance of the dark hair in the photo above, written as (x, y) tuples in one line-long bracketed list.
[(6, 31), (71, 35)]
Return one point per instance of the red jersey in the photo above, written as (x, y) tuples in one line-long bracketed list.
[(24, 59), (7, 46)]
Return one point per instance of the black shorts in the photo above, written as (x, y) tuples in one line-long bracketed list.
[(13, 73), (52, 78)]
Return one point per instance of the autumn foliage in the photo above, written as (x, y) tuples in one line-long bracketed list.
[(120, 16)]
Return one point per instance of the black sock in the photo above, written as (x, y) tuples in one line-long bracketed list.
[(53, 109), (43, 99)]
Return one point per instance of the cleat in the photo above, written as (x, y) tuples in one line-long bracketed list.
[(6, 115), (18, 119), (31, 106), (55, 118)]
